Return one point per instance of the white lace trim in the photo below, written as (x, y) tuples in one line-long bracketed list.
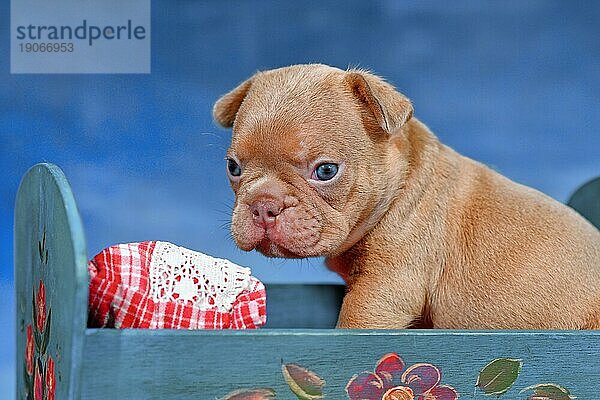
[(181, 275)]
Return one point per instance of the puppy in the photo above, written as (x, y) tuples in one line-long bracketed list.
[(326, 162)]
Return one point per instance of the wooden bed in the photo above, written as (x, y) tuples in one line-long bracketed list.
[(298, 354)]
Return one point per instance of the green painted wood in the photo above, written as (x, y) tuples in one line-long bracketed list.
[(586, 201), (303, 306), (49, 249), (142, 364)]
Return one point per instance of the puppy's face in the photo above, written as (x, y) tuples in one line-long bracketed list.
[(309, 157)]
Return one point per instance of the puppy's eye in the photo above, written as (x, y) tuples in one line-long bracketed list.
[(325, 172), (233, 167)]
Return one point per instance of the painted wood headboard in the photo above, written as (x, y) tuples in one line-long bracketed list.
[(59, 358), (50, 277)]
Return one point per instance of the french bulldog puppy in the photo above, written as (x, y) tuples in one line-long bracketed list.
[(326, 162)]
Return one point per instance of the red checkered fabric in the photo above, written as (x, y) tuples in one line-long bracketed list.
[(120, 297)]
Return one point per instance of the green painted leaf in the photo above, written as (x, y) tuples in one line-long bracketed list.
[(548, 391), (37, 337), (46, 335), (305, 384), (33, 310), (499, 375), (251, 394), (42, 249)]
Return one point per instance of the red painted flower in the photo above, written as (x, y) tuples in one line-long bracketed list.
[(29, 350), (50, 381), (390, 381), (38, 386), (41, 307)]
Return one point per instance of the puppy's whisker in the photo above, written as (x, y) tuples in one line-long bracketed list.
[(224, 212), (225, 226), (220, 137), (228, 209)]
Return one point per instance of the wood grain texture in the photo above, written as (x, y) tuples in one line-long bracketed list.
[(45, 204)]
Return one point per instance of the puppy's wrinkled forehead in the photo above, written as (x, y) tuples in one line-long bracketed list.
[(281, 107)]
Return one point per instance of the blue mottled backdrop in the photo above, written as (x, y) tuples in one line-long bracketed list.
[(515, 84)]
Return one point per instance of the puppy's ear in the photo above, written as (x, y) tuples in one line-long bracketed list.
[(390, 108), (226, 108)]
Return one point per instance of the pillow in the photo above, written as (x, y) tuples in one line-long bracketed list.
[(161, 285)]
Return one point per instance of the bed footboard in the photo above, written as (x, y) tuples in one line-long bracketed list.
[(342, 364), (51, 283)]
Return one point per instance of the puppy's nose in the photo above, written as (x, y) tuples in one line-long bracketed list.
[(265, 212)]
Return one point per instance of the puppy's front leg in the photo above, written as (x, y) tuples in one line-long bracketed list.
[(375, 306)]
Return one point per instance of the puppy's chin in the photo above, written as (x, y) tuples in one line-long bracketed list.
[(271, 249), (280, 246)]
